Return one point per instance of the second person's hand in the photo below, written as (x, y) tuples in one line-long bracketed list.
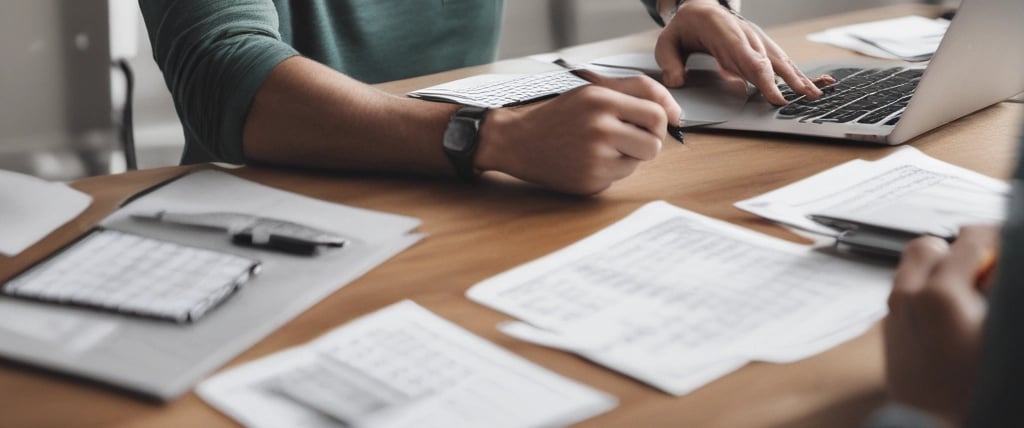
[(584, 140), (739, 46), (933, 334)]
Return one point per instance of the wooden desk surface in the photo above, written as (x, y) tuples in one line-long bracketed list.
[(478, 231)]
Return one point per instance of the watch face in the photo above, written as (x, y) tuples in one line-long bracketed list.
[(460, 135)]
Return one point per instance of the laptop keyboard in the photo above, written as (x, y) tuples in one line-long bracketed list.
[(864, 96)]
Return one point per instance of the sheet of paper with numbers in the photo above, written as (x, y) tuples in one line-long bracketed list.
[(676, 299)]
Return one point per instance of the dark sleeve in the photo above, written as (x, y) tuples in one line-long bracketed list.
[(652, 9), (214, 55), (999, 397)]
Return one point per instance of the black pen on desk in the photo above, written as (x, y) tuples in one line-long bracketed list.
[(843, 224), (869, 238), (254, 231)]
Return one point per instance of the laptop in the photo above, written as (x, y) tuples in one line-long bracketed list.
[(977, 64)]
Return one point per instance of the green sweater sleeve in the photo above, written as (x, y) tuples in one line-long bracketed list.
[(214, 55)]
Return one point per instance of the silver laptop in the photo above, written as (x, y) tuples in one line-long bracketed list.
[(978, 63)]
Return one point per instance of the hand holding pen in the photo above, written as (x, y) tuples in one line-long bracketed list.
[(674, 129)]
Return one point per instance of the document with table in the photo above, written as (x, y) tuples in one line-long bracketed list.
[(676, 299), (907, 192), (401, 366)]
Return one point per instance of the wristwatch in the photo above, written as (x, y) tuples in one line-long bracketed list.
[(461, 138)]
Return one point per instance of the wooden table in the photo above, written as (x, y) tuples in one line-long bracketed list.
[(478, 231)]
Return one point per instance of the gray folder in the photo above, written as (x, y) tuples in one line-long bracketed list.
[(163, 360)]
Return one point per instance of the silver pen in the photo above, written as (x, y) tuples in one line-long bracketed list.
[(254, 231)]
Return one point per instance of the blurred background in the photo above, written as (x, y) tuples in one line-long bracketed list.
[(62, 94)]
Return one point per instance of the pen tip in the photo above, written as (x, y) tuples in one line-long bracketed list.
[(676, 133)]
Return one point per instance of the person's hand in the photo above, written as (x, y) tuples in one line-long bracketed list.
[(583, 140), (933, 333), (739, 46)]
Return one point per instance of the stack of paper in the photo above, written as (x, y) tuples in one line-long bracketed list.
[(906, 190), (910, 38), (400, 367), (164, 360), (676, 299)]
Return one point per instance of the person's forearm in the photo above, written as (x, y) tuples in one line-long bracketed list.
[(306, 114)]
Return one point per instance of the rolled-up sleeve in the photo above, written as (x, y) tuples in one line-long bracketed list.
[(215, 55)]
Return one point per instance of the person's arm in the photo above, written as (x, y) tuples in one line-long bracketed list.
[(214, 55), (306, 114), (740, 47), (933, 333), (302, 113)]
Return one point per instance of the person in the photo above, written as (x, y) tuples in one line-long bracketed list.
[(286, 83), (953, 338)]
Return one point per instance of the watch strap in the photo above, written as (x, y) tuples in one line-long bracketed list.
[(461, 139)]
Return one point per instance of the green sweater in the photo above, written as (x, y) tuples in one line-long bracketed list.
[(215, 54)]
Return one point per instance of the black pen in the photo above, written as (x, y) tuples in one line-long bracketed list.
[(254, 231), (844, 224), (868, 238), (676, 132)]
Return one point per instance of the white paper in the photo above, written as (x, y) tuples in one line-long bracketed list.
[(912, 38), (68, 332), (400, 366), (31, 208), (906, 190), (676, 299), (497, 90)]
